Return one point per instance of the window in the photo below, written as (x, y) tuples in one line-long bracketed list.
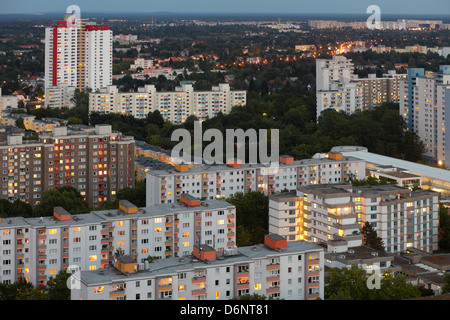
[(98, 289)]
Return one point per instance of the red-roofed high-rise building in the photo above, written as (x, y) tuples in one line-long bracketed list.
[(78, 55)]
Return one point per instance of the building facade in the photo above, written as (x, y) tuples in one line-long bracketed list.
[(320, 213), (38, 248), (337, 87), (276, 269), (77, 56), (175, 106), (423, 105), (96, 161), (223, 181)]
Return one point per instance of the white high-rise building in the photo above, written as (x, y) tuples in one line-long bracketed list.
[(424, 102), (324, 213), (77, 56), (337, 86)]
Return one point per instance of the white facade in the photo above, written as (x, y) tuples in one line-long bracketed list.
[(141, 63), (98, 59), (175, 106), (337, 86), (223, 181), (424, 103), (293, 273), (7, 102), (402, 218), (76, 57), (38, 248)]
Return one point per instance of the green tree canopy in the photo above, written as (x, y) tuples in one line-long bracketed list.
[(67, 197), (352, 284), (371, 238)]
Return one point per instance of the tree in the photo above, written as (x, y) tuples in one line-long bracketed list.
[(351, 284), (253, 296), (10, 291), (136, 195), (67, 197), (20, 124), (35, 293), (444, 228), (15, 209), (251, 216), (57, 288), (371, 238), (446, 287)]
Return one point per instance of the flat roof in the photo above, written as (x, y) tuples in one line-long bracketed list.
[(164, 209), (247, 166), (359, 253), (412, 167), (170, 266)]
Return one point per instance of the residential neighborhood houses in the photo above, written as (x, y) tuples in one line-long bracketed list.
[(92, 193)]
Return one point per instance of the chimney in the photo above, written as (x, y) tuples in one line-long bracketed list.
[(189, 200), (204, 252), (286, 159), (127, 207), (60, 214), (275, 241)]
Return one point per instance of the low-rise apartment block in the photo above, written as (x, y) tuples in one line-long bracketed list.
[(223, 181), (319, 213), (38, 248), (276, 269), (175, 106)]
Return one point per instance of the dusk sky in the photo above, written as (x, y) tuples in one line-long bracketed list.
[(230, 6)]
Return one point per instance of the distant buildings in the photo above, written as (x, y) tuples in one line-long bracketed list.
[(400, 24), (125, 38), (424, 103), (141, 63), (442, 51), (76, 57), (7, 101), (175, 106), (339, 88), (319, 213)]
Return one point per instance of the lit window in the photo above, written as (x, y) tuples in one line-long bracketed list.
[(98, 289)]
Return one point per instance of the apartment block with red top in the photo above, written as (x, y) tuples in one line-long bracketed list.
[(78, 55), (38, 248), (277, 269), (218, 181)]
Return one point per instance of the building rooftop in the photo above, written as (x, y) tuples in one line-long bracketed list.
[(170, 266), (359, 254), (247, 166), (412, 167), (163, 209)]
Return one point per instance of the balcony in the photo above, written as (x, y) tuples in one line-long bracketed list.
[(274, 266), (197, 292), (199, 279), (275, 289)]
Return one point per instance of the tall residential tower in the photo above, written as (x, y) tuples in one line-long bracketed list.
[(78, 55)]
